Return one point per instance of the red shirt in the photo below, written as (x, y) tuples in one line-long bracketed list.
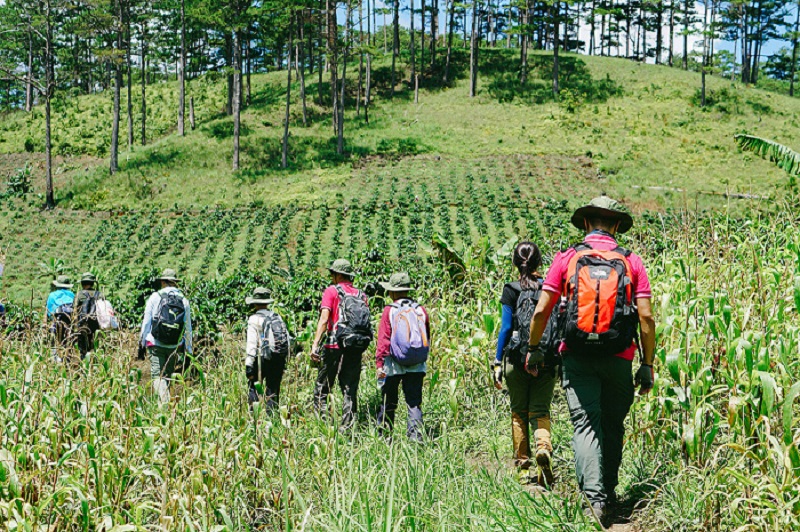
[(384, 347), (557, 274), (330, 301)]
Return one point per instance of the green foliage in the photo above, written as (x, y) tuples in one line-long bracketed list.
[(782, 156), (19, 182)]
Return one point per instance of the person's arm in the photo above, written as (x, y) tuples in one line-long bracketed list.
[(505, 331), (645, 376), (541, 315), (187, 332), (322, 328), (384, 341), (146, 321)]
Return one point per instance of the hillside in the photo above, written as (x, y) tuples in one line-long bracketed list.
[(628, 129), (441, 190)]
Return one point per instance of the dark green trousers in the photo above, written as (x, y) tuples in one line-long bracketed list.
[(599, 392)]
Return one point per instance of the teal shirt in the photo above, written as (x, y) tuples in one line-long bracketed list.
[(59, 297)]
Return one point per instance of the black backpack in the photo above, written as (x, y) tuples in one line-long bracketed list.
[(63, 313), (87, 314), (169, 320), (353, 331), (274, 336), (523, 314)]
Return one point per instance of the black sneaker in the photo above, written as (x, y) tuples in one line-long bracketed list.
[(596, 512)]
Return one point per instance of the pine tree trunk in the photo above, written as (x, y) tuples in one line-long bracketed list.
[(556, 20), (524, 37), (395, 43), (671, 32), (422, 36), (794, 50), (144, 80), (434, 30), (302, 60), (50, 201), (229, 63), (114, 163), (331, 32), (685, 60), (343, 81), (446, 77), (29, 82), (191, 112), (237, 97), (705, 53), (129, 69), (659, 29), (473, 51), (182, 73), (591, 29), (368, 88), (285, 144), (412, 49), (360, 56), (249, 67)]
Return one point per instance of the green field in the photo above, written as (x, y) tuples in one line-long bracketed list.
[(439, 188)]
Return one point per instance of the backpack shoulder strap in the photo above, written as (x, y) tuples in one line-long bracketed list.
[(581, 246), (623, 251)]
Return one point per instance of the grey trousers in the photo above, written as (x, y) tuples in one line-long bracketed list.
[(162, 366)]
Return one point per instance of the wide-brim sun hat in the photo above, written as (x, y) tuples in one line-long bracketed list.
[(398, 282), (260, 296), (169, 275), (605, 208), (343, 267), (88, 278), (62, 281)]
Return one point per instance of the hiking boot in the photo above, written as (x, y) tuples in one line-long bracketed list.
[(596, 512), (524, 477), (546, 477)]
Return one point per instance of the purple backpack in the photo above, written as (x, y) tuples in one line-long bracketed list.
[(409, 333)]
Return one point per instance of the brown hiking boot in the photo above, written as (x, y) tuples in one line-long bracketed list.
[(546, 477)]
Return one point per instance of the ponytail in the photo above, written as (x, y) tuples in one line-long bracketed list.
[(527, 259)]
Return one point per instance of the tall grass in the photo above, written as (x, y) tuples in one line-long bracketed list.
[(714, 447)]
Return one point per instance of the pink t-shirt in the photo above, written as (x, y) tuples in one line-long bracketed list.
[(557, 274), (330, 301)]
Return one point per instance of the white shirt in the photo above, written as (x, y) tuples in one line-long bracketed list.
[(255, 324), (146, 338)]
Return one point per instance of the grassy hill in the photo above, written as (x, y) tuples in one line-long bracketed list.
[(632, 130), (437, 188)]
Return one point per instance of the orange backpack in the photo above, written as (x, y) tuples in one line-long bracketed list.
[(601, 315)]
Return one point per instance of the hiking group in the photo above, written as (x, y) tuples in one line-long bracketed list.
[(584, 322)]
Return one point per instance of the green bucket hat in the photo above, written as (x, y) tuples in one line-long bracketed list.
[(606, 208), (169, 275), (62, 281), (398, 282), (88, 278), (260, 296), (343, 267)]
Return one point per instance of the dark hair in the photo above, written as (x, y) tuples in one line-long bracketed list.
[(527, 259)]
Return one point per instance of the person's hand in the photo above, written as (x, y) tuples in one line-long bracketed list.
[(534, 359), (315, 355), (645, 378), (381, 373), (141, 352), (497, 374), (250, 371)]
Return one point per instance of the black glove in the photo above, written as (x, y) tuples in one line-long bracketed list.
[(645, 377), (141, 352), (534, 357), (250, 372), (497, 374)]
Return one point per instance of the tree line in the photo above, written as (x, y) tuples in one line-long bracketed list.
[(124, 46)]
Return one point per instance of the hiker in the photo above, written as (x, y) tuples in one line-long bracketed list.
[(605, 296), (401, 355), (86, 310), (530, 395), (167, 324), (266, 350), (344, 322), (59, 309)]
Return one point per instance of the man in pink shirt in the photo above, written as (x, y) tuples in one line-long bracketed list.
[(598, 386), (334, 361)]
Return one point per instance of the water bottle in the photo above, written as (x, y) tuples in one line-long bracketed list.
[(381, 382), (515, 337)]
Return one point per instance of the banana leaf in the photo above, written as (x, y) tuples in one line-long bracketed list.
[(781, 155)]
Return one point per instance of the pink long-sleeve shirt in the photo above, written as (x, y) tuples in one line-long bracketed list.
[(384, 346)]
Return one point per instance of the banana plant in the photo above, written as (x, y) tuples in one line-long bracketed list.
[(781, 155)]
